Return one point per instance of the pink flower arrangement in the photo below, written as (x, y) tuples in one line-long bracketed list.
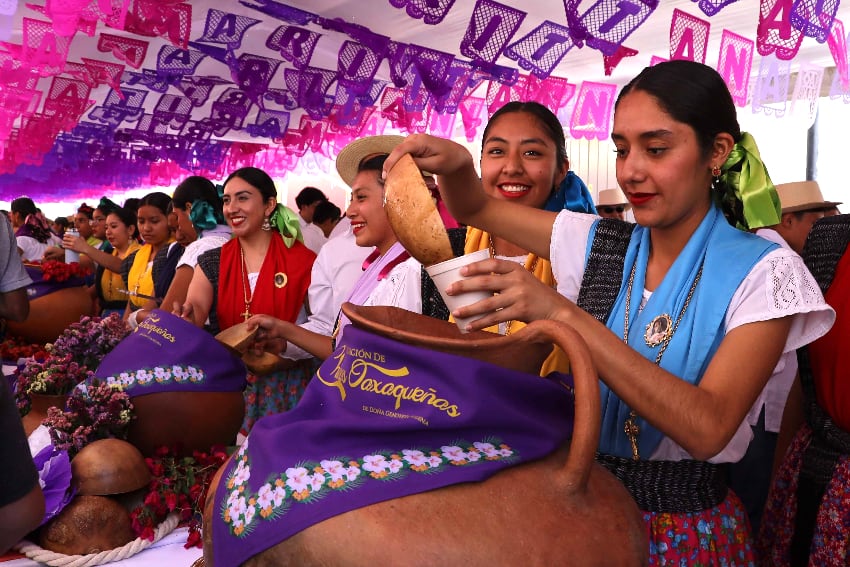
[(95, 410), (72, 359), (89, 340), (57, 375)]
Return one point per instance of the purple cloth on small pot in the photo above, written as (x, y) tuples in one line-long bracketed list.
[(381, 420), (40, 287), (13, 377), (167, 354), (54, 477)]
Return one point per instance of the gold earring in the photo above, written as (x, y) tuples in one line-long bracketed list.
[(715, 171)]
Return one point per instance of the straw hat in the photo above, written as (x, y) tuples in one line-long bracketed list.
[(352, 155), (611, 198), (802, 196)]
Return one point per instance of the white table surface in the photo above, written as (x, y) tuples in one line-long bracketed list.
[(167, 552)]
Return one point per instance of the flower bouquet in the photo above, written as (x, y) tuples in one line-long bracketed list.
[(180, 486), (71, 359), (15, 348), (55, 271), (89, 340), (95, 410), (15, 351), (56, 376)]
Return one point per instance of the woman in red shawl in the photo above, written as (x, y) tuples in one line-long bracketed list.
[(264, 269)]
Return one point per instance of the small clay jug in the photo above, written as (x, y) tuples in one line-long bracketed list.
[(563, 509)]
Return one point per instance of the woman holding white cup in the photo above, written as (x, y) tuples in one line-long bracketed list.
[(524, 160)]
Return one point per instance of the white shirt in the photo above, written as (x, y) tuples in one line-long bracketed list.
[(779, 285), (209, 240), (337, 268), (33, 249), (314, 238), (775, 393), (401, 288)]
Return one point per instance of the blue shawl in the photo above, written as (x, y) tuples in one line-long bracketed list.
[(726, 256)]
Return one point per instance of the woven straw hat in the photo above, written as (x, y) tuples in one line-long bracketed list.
[(353, 154), (802, 196), (612, 197)]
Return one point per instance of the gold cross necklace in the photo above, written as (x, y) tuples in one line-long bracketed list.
[(247, 294)]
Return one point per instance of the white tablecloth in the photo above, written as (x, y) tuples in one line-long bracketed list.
[(167, 552)]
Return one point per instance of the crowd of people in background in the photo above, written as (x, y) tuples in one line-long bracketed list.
[(711, 272)]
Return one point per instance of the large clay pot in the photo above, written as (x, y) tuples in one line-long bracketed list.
[(53, 307), (194, 421), (561, 510), (39, 404)]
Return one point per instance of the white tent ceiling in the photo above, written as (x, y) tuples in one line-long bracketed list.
[(383, 18)]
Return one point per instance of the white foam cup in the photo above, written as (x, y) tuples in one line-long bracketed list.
[(71, 255), (448, 272)]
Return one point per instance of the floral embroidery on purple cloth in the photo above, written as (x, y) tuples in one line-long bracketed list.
[(307, 482), (176, 374), (381, 420), (167, 354)]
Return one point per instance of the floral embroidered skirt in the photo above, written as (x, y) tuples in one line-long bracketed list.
[(831, 538), (276, 392), (717, 536)]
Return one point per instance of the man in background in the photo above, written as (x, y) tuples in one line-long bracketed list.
[(802, 206), (307, 201), (326, 216), (612, 204)]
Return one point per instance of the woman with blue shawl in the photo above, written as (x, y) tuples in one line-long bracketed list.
[(674, 408)]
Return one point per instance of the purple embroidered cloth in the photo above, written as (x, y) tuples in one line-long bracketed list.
[(380, 420), (167, 354)]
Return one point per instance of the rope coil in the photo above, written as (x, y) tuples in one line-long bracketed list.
[(54, 559)]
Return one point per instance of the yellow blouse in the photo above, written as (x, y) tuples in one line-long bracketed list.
[(111, 282)]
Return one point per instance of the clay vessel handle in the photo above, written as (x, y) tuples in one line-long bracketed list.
[(586, 426)]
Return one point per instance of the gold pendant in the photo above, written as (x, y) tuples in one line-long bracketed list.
[(280, 280), (246, 314), (632, 430), (660, 329)]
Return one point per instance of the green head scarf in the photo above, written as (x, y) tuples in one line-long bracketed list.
[(748, 191), (285, 221)]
